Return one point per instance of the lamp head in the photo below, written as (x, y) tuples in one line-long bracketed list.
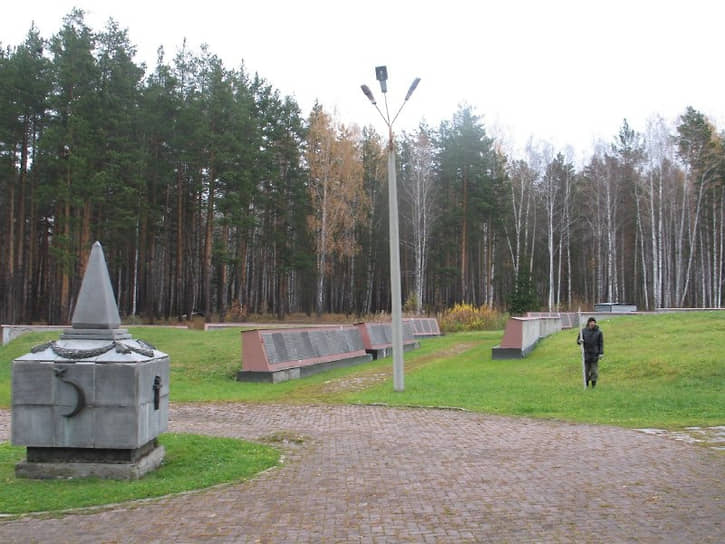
[(381, 74), (366, 90), (412, 88)]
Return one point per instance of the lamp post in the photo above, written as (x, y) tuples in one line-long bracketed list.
[(381, 74)]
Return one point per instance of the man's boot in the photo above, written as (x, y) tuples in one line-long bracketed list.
[(594, 384)]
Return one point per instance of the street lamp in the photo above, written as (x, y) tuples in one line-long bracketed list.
[(381, 74)]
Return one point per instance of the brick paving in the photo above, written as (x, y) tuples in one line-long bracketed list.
[(374, 474)]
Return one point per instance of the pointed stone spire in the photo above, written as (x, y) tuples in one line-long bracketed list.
[(96, 313), (96, 306)]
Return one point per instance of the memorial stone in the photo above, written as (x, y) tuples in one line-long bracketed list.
[(280, 355), (322, 346), (423, 326), (307, 346), (377, 338), (94, 402)]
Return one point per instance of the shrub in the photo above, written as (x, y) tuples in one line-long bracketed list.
[(411, 304), (466, 317), (237, 312)]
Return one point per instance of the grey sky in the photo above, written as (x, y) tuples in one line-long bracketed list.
[(563, 71)]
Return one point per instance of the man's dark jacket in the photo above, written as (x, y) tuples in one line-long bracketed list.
[(593, 341)]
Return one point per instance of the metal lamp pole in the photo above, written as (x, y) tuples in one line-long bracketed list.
[(381, 74)]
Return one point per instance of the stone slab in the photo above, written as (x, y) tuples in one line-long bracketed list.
[(108, 471), (614, 307), (271, 376), (318, 343), (89, 455), (11, 332), (570, 320), (95, 334), (378, 336), (33, 383), (31, 425), (423, 326), (104, 405), (266, 350), (499, 353), (381, 353), (77, 431), (522, 334), (278, 376)]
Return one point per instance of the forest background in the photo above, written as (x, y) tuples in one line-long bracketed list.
[(214, 194)]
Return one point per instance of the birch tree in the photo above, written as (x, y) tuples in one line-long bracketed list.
[(550, 196), (522, 179), (659, 156), (419, 193), (567, 185)]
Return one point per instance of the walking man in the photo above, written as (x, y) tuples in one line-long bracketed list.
[(593, 339)]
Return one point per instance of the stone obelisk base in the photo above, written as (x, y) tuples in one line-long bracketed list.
[(110, 464)]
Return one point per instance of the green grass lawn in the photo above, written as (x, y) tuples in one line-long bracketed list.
[(191, 462), (204, 366), (660, 370)]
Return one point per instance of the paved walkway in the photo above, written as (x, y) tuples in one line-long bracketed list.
[(374, 474)]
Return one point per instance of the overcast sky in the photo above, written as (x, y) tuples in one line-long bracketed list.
[(563, 71)]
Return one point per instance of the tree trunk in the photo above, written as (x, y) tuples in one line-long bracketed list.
[(654, 253), (370, 272), (179, 290), (85, 237), (641, 238), (10, 270), (550, 242), (19, 271), (718, 297), (611, 242), (65, 279), (464, 240), (693, 237), (322, 253), (223, 289), (208, 242), (558, 271)]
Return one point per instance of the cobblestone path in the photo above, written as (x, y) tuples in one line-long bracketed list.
[(376, 474)]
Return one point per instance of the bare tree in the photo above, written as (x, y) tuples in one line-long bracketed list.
[(419, 191), (555, 181), (659, 154), (522, 179)]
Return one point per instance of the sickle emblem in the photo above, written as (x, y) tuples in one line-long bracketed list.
[(81, 396)]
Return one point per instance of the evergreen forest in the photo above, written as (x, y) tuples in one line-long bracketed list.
[(214, 194)]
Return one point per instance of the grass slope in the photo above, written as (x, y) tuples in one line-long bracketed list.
[(659, 370), (662, 371)]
